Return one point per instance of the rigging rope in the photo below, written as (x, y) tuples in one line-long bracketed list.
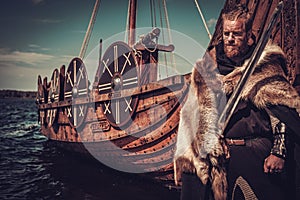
[(89, 30), (127, 24), (151, 12), (169, 32), (163, 38), (202, 17), (154, 13)]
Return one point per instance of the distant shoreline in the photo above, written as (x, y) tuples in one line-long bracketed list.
[(7, 94)]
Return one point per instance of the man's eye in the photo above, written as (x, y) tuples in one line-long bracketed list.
[(237, 33), (226, 33)]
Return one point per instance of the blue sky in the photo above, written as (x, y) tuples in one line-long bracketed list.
[(38, 36)]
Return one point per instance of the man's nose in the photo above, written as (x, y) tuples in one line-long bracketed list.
[(230, 37)]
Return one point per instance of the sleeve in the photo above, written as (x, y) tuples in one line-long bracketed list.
[(290, 117), (279, 146), (287, 124)]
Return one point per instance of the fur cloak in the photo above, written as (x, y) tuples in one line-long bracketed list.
[(268, 84), (199, 149)]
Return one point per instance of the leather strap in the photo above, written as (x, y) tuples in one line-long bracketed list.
[(235, 142)]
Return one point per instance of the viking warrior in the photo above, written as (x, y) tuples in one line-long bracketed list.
[(256, 133)]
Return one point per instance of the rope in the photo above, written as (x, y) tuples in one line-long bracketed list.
[(169, 32), (151, 51), (153, 13), (163, 38), (202, 17), (127, 24), (89, 30)]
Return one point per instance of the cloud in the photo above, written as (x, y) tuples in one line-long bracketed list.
[(35, 47), (79, 31), (35, 2), (20, 69), (48, 21), (32, 60), (27, 58), (25, 79), (212, 22)]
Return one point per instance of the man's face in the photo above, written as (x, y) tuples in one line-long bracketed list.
[(235, 38)]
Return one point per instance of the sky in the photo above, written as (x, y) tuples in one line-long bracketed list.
[(37, 36)]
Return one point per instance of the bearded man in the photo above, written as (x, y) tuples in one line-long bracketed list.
[(256, 133)]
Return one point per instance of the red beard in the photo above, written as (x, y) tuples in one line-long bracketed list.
[(232, 51)]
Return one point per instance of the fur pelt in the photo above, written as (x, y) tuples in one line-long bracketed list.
[(268, 85), (199, 148)]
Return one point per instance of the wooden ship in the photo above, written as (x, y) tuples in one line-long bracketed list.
[(127, 118)]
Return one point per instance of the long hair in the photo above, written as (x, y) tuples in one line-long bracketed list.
[(239, 12)]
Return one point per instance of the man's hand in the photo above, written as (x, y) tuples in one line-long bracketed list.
[(273, 164)]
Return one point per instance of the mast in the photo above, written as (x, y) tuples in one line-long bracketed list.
[(132, 22)]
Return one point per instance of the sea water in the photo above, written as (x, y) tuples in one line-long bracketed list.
[(32, 168)]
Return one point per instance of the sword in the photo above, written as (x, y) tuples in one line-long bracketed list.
[(236, 95)]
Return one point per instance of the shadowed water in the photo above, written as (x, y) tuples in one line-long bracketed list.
[(32, 168)]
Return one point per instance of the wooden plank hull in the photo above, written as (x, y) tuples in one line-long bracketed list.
[(144, 145)]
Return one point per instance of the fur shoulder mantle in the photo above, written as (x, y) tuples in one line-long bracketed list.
[(268, 84)]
